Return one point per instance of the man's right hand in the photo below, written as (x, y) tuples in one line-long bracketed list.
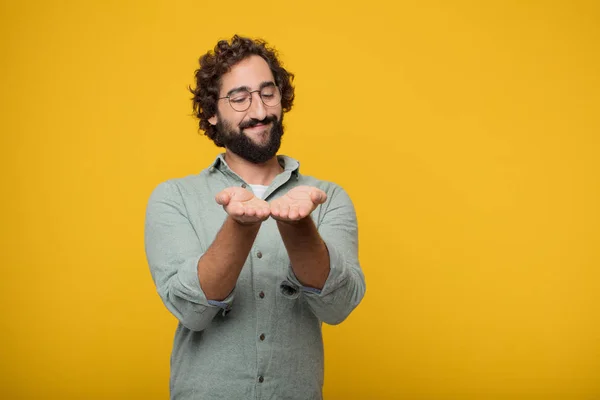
[(243, 206)]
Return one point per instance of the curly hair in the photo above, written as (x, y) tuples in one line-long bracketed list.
[(215, 63)]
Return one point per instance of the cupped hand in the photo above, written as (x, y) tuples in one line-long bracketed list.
[(243, 206), (297, 204)]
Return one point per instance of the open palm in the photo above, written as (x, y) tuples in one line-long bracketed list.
[(242, 205), (297, 204)]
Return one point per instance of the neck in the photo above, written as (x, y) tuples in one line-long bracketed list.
[(255, 174)]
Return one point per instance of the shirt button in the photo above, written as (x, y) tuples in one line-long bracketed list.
[(261, 295), (259, 254), (261, 379), (262, 336), (244, 185)]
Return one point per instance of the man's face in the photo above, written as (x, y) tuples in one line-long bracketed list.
[(253, 134)]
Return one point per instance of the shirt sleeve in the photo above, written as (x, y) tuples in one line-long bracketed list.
[(173, 251), (345, 286)]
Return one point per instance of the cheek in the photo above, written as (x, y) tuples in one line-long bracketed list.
[(277, 112), (236, 121), (232, 118)]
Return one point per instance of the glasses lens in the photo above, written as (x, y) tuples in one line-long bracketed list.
[(270, 95), (240, 101)]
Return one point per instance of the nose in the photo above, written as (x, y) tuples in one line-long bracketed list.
[(257, 109)]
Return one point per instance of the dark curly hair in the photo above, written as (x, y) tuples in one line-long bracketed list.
[(215, 63)]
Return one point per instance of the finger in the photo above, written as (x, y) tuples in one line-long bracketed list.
[(249, 211), (223, 198), (264, 211), (235, 209), (303, 212), (275, 209), (260, 214), (284, 210), (293, 215), (317, 196)]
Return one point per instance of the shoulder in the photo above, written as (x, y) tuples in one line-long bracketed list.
[(328, 187), (181, 188), (336, 195)]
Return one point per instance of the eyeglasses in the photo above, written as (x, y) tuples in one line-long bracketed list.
[(241, 99)]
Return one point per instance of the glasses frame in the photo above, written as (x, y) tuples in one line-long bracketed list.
[(251, 97)]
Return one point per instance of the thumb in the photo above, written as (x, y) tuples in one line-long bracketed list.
[(318, 196), (223, 198)]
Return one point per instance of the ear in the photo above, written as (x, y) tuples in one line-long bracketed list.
[(213, 120)]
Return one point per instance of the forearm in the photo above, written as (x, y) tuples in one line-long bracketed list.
[(307, 252), (220, 266)]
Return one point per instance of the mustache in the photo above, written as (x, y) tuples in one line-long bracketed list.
[(253, 122)]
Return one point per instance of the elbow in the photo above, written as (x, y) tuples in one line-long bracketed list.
[(193, 316), (194, 324), (335, 319), (343, 309)]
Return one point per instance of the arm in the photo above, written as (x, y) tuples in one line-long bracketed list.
[(307, 251), (178, 262), (335, 281), (220, 267)]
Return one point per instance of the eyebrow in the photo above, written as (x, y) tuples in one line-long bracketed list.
[(239, 88)]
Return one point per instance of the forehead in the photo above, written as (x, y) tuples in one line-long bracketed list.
[(249, 72)]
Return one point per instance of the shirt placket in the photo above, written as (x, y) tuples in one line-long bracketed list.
[(264, 296), (263, 292)]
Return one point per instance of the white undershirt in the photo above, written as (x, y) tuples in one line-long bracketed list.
[(259, 190)]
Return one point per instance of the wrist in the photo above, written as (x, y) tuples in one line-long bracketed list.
[(246, 225), (300, 223)]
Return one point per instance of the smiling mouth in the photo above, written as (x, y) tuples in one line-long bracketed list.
[(257, 127)]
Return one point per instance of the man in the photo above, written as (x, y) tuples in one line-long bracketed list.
[(250, 255)]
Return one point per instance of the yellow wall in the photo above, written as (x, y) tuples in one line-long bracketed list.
[(466, 133)]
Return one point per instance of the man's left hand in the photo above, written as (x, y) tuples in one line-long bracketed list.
[(297, 204)]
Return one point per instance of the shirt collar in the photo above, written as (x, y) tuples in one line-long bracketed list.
[(288, 163)]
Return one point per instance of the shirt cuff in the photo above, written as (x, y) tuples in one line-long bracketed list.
[(189, 278), (335, 278), (224, 304), (310, 289)]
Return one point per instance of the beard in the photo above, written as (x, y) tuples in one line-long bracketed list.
[(240, 144)]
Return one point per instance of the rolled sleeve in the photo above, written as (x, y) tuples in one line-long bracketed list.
[(173, 251), (345, 285)]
